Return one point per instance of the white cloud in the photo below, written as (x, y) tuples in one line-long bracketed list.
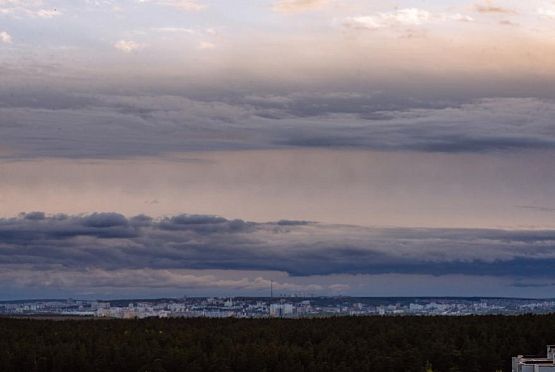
[(27, 8), (547, 13), (458, 17), (206, 45), (128, 46), (174, 29), (294, 6), (207, 32), (44, 13), (5, 38), (410, 16), (401, 18), (186, 5)]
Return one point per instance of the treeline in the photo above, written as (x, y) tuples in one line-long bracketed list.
[(338, 344)]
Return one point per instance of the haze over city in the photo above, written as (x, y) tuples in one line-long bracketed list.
[(153, 148)]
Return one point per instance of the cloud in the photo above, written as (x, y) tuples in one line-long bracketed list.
[(27, 8), (128, 46), (175, 29), (434, 129), (295, 6), (537, 208), (5, 37), (112, 242), (185, 5), (488, 6), (457, 17), (547, 13), (532, 284), (45, 13), (45, 124), (206, 45), (507, 22), (146, 279), (401, 18)]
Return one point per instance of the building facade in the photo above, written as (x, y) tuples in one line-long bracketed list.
[(281, 310), (534, 364)]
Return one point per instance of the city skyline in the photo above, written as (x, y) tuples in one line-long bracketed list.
[(206, 147), (265, 307)]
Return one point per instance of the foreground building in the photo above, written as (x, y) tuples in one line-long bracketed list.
[(533, 364)]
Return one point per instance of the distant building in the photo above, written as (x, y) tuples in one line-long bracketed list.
[(280, 310), (416, 307), (534, 364)]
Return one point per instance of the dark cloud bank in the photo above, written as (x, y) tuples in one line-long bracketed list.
[(56, 124), (112, 241)]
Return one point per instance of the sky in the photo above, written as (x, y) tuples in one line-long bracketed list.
[(154, 148)]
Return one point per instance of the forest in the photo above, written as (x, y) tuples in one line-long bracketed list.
[(448, 344)]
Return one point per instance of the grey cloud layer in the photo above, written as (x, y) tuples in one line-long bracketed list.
[(110, 241), (98, 279), (40, 123)]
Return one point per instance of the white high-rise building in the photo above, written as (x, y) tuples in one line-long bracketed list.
[(533, 364), (280, 310)]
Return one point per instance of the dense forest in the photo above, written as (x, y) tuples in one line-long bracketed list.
[(478, 343)]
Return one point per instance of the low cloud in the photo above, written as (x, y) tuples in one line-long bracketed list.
[(27, 9), (537, 208), (5, 38), (401, 18), (532, 284), (185, 5), (489, 6), (146, 279), (128, 46), (175, 30), (144, 125), (206, 45), (47, 13), (111, 242), (296, 6), (547, 12)]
